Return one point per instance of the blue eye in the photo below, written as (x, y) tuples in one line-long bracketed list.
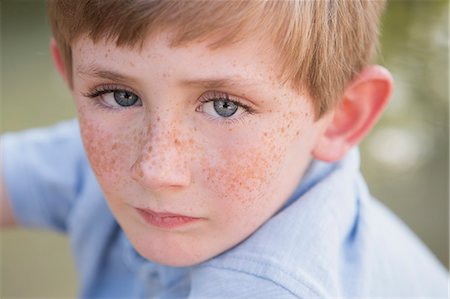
[(225, 108), (115, 97), (125, 98), (220, 105), (222, 108)]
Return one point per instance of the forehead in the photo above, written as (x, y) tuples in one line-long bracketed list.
[(251, 60)]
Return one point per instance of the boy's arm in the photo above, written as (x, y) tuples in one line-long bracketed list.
[(41, 176), (7, 218)]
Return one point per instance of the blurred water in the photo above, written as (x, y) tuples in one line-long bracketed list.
[(405, 160)]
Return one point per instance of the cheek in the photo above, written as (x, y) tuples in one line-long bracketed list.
[(244, 172), (260, 170), (109, 153)]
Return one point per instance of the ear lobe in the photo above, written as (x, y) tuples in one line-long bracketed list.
[(57, 59), (361, 105)]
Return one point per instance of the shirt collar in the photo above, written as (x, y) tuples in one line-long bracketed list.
[(318, 170)]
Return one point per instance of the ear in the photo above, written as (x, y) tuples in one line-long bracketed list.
[(361, 105), (57, 60)]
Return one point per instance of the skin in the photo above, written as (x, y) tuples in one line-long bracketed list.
[(172, 153)]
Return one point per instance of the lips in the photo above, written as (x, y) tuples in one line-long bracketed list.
[(165, 220)]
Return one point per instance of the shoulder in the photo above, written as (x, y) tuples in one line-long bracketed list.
[(293, 255), (250, 277), (64, 131), (234, 281), (297, 250), (396, 261), (286, 255), (45, 171), (40, 147), (334, 240)]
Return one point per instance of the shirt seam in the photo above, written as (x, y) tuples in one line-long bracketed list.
[(306, 284), (252, 274)]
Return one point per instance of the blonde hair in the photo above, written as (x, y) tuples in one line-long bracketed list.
[(322, 44)]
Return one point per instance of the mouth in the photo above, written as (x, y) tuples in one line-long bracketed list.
[(165, 220)]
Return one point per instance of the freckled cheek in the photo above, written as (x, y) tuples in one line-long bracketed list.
[(109, 154), (244, 172)]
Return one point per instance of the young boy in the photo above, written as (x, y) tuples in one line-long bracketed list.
[(215, 156)]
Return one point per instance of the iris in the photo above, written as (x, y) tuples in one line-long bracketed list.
[(225, 108)]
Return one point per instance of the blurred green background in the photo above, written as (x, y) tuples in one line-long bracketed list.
[(405, 160)]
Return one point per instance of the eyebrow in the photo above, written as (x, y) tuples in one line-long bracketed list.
[(215, 83), (94, 71), (218, 83)]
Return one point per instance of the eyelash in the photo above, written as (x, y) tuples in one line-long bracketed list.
[(209, 96), (97, 92)]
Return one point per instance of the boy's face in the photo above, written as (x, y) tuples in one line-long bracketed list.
[(193, 148)]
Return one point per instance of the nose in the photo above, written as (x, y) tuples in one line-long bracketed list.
[(163, 162)]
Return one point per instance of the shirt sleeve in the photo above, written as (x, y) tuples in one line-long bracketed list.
[(211, 282), (43, 173)]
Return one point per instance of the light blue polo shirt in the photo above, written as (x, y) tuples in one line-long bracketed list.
[(331, 240)]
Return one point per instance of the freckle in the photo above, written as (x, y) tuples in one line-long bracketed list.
[(298, 133), (114, 146), (140, 172), (158, 118), (265, 134)]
